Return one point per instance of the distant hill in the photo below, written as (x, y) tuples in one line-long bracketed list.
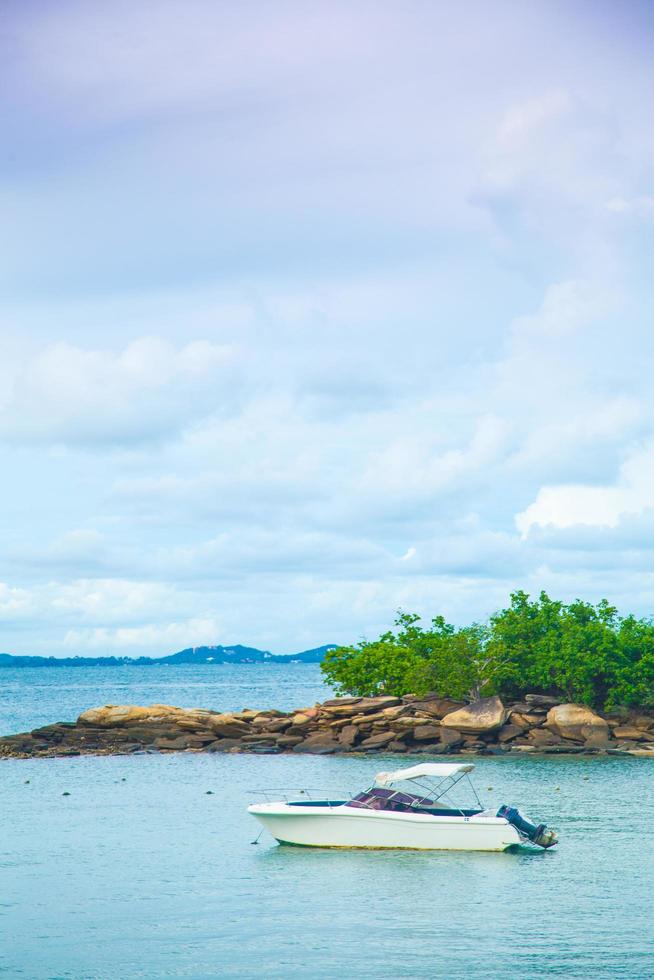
[(236, 654)]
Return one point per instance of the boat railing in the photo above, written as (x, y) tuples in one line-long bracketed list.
[(291, 795)]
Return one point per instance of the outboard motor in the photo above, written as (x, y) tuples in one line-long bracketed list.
[(537, 833)]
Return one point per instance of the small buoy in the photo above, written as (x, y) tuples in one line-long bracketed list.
[(26, 781), (123, 779), (489, 787), (586, 778), (557, 788), (66, 793), (209, 792)]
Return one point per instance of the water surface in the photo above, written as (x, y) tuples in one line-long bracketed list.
[(140, 873)]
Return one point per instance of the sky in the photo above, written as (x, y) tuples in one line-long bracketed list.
[(310, 312)]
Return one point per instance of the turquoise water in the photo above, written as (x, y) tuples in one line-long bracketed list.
[(139, 873)]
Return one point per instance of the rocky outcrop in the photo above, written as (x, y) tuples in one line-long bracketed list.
[(576, 722), (429, 724), (485, 715)]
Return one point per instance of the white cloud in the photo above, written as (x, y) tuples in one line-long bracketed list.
[(424, 306), (600, 506), (150, 389), (167, 638)]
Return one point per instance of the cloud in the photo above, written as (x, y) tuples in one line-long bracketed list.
[(168, 637), (149, 390), (601, 506), (301, 306)]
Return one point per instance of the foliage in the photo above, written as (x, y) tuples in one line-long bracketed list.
[(586, 653)]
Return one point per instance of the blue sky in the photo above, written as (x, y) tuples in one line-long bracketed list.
[(313, 311)]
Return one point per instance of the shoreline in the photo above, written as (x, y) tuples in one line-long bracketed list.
[(430, 724)]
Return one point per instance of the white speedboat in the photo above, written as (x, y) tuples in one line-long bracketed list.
[(408, 808)]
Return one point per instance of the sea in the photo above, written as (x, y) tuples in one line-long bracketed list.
[(146, 866)]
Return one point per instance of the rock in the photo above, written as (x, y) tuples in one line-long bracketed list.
[(507, 732), (407, 722), (450, 738), (598, 740), (317, 745), (542, 736), (427, 733), (630, 731), (575, 721), (397, 747), (643, 722), (171, 743), (340, 702), (358, 706), (348, 736), (277, 725), (525, 719), (223, 745), (542, 700), (288, 741), (300, 720), (378, 741), (119, 715), (228, 725), (484, 715), (436, 707)]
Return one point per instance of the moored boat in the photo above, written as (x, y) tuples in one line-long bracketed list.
[(409, 808)]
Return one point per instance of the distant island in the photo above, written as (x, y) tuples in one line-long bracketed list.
[(193, 655)]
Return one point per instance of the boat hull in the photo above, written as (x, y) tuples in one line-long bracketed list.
[(343, 826)]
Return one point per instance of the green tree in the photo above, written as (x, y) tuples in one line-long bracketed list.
[(579, 651)]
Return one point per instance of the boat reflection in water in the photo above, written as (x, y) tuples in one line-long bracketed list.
[(409, 808)]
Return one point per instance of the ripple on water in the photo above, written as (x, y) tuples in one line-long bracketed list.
[(141, 873)]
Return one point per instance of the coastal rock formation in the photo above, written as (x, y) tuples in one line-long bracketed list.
[(484, 715), (429, 724), (577, 722)]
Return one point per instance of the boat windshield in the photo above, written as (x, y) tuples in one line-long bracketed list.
[(423, 795)]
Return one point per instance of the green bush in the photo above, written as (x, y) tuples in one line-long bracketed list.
[(579, 651)]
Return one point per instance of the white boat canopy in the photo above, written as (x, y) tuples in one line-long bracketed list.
[(437, 770)]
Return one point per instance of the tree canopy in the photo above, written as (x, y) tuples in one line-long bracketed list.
[(586, 653)]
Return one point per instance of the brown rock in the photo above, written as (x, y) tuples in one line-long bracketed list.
[(407, 722), (228, 725), (542, 736), (378, 741), (288, 741), (450, 737), (436, 707), (340, 702), (542, 700), (643, 722), (397, 747), (348, 736), (575, 721), (223, 745), (171, 743), (484, 715), (317, 745), (631, 732), (598, 740), (427, 733), (507, 732), (525, 720), (119, 715), (358, 706)]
